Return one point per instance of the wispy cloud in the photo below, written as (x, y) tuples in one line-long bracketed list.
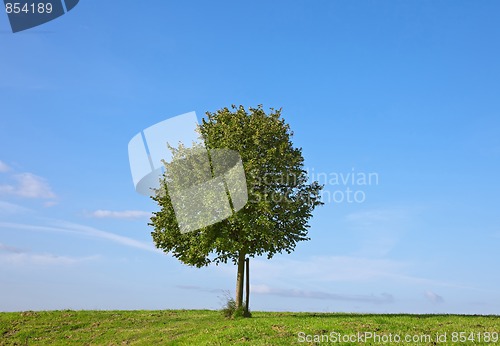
[(295, 293), (379, 229), (15, 256), (42, 259), (199, 288), (433, 297), (72, 228), (345, 269), (383, 298), (370, 218), (4, 167), (28, 185), (11, 208), (329, 268), (94, 232), (125, 214), (10, 249)]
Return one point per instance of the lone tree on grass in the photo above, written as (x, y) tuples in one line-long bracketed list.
[(280, 199)]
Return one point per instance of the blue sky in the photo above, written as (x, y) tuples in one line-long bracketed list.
[(407, 90)]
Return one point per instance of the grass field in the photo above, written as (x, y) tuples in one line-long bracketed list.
[(205, 327)]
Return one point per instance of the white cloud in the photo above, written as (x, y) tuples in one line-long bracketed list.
[(29, 186), (434, 297), (4, 167), (125, 214)]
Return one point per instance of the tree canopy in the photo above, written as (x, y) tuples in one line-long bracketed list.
[(280, 198)]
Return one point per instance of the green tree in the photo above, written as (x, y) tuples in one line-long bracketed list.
[(280, 199)]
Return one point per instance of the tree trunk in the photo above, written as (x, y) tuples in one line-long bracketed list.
[(247, 288), (240, 279)]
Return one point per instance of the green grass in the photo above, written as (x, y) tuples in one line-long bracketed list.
[(205, 327)]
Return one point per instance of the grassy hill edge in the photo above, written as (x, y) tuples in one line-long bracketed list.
[(208, 327)]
